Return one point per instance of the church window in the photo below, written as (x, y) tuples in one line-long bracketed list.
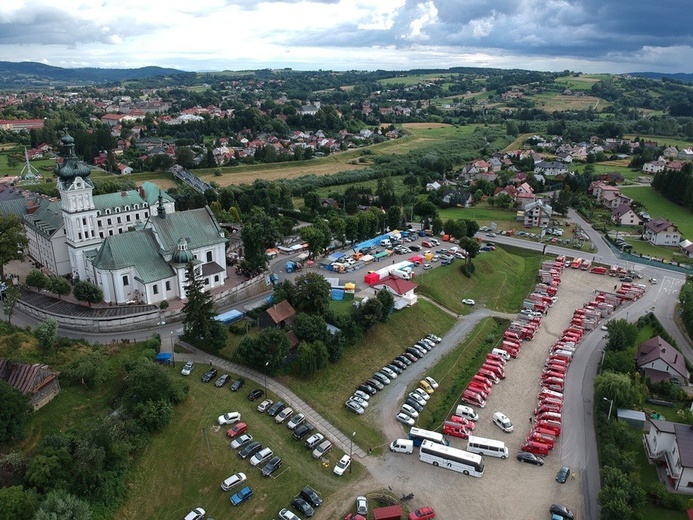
[(127, 208), (126, 281), (119, 220), (79, 235), (98, 223), (155, 289), (117, 210), (216, 277), (127, 217), (120, 231), (84, 222), (136, 206), (146, 214), (101, 234), (108, 212), (109, 222), (168, 286), (110, 232), (137, 216), (206, 281), (209, 256)]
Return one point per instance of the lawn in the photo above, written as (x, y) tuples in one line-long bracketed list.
[(328, 390), (184, 465), (484, 215), (659, 206), (501, 281)]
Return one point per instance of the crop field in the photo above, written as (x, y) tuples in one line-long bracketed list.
[(413, 79), (553, 102), (581, 82)]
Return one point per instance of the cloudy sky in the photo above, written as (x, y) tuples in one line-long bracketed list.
[(200, 35)]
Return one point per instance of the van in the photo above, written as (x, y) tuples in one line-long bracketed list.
[(537, 448), (426, 243), (435, 242), (385, 243), (322, 449), (455, 429), (399, 273), (545, 393), (466, 411), (550, 416), (402, 446), (502, 353)]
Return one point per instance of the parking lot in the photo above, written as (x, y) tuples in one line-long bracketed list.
[(508, 489)]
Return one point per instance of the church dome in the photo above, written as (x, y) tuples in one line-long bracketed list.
[(182, 255)]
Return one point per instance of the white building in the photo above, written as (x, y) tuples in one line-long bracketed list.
[(661, 232), (672, 444)]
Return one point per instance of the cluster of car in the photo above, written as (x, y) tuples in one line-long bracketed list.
[(306, 501), (358, 402), (416, 400)]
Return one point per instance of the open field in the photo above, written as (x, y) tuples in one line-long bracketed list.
[(663, 140), (184, 465), (582, 82), (553, 102), (501, 280), (328, 389), (659, 206)]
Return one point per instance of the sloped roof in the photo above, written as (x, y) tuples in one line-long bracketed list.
[(47, 219), (149, 193), (28, 379), (658, 224), (13, 206), (621, 210), (656, 348), (401, 287), (197, 226), (137, 249), (281, 311)]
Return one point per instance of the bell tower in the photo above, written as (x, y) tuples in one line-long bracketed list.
[(77, 204)]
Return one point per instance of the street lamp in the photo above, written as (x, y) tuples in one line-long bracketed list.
[(601, 365), (173, 355), (611, 404), (266, 365), (351, 448)]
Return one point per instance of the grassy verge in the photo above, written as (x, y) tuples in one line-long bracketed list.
[(502, 279), (328, 389), (184, 465), (659, 206), (456, 369)]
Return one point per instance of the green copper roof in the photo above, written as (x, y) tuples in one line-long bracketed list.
[(121, 199), (197, 226), (135, 248)]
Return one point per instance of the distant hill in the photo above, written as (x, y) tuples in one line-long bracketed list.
[(679, 76), (30, 74)]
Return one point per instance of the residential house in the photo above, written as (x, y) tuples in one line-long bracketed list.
[(402, 290), (686, 154), (112, 119), (661, 362), (537, 214), (433, 186), (37, 381), (686, 247), (671, 444), (661, 232), (671, 152), (525, 195), (551, 168), (612, 199), (625, 216), (278, 315), (653, 167)]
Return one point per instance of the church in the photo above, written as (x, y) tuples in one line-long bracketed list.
[(132, 244)]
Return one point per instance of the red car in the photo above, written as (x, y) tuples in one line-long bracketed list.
[(237, 429), (354, 516), (424, 513)]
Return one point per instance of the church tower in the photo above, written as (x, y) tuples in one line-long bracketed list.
[(77, 204)]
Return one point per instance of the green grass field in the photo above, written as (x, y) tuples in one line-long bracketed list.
[(658, 206), (663, 140), (184, 465), (500, 282), (582, 82)]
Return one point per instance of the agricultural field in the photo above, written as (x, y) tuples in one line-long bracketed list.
[(552, 102), (582, 82), (659, 206)]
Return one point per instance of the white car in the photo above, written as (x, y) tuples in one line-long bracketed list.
[(417, 398), (434, 338), (187, 368), (233, 481), (409, 410), (362, 395), (342, 465), (388, 372), (295, 421), (468, 301), (284, 415), (362, 402), (422, 393), (261, 456), (286, 514), (314, 440), (264, 405), (404, 418), (196, 514), (432, 382), (427, 266), (362, 506), (502, 421), (229, 418), (241, 441)]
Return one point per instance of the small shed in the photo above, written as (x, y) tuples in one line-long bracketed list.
[(388, 513), (633, 418)]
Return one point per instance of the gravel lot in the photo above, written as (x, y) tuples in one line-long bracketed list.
[(508, 488)]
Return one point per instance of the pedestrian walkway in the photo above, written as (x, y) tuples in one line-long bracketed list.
[(338, 438)]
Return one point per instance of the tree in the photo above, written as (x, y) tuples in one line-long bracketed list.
[(88, 292), (388, 302), (11, 296), (315, 238), (267, 352), (59, 286), (13, 240), (61, 505), (436, 225), (310, 327), (14, 413), (185, 157), (259, 232), (455, 228), (90, 369), (36, 279), (369, 313), (621, 335), (199, 309), (425, 209), (312, 201), (394, 217), (618, 388), (18, 503), (312, 293), (311, 357), (46, 333)]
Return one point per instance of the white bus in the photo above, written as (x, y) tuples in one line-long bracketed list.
[(451, 458), (490, 447), (418, 435)]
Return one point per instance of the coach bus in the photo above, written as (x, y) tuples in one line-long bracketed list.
[(490, 447), (451, 458), (418, 435)]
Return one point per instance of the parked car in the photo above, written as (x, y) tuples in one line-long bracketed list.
[(237, 384), (273, 465), (233, 481), (563, 474), (531, 458), (362, 395), (367, 389), (264, 405), (284, 414), (311, 496), (427, 266), (362, 402), (322, 449), (295, 421), (314, 440), (286, 514), (562, 511), (375, 383), (500, 420), (255, 394), (432, 382), (423, 513), (240, 497), (342, 465), (303, 506), (209, 375), (392, 367), (404, 360), (250, 450), (241, 441), (198, 513), (434, 338), (302, 430), (354, 407), (229, 418), (426, 386), (468, 301), (405, 419), (391, 374), (223, 379), (417, 398), (414, 404), (187, 369), (409, 410), (261, 456), (362, 505), (422, 393), (275, 408), (399, 364), (237, 429)]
